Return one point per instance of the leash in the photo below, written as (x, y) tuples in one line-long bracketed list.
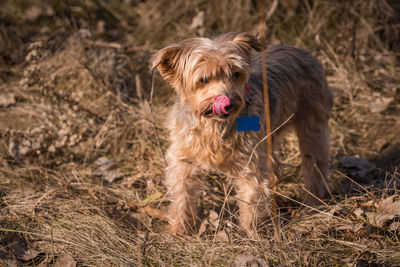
[(265, 85), (275, 216)]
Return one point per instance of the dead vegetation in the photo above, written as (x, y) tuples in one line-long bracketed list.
[(80, 165)]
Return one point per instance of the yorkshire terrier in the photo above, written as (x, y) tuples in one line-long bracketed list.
[(219, 117)]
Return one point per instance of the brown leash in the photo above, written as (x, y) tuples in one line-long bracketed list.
[(275, 218)]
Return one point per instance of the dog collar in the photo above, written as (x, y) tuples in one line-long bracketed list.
[(248, 96), (247, 122), (247, 88)]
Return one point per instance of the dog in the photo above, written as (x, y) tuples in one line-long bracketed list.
[(218, 82)]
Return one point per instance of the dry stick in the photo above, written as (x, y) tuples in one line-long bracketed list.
[(312, 208), (102, 44), (268, 118), (263, 139), (351, 180), (324, 180), (46, 237), (52, 244), (153, 118), (44, 196), (265, 86), (146, 235), (326, 186), (317, 198)]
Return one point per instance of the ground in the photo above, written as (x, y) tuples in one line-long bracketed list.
[(81, 143)]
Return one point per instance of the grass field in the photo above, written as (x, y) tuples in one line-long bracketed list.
[(81, 164)]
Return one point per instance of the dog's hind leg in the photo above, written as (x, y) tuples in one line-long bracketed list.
[(312, 131)]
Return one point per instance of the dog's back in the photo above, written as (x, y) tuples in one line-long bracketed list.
[(296, 80)]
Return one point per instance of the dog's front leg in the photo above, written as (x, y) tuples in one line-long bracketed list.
[(184, 189), (252, 193)]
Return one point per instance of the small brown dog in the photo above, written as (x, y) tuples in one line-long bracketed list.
[(219, 90)]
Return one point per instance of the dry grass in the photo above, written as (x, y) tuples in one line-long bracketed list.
[(75, 84)]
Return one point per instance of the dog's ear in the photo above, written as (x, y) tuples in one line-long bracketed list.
[(165, 60), (248, 42)]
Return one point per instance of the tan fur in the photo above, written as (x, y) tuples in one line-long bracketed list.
[(202, 141)]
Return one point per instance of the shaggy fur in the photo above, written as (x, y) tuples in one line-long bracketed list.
[(199, 69)]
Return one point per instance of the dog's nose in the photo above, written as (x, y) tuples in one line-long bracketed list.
[(232, 105)]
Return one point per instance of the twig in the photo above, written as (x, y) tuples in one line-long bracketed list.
[(313, 195), (312, 208), (42, 197), (324, 180), (139, 89), (141, 48), (52, 244), (118, 46), (262, 140), (153, 118), (271, 10), (146, 235), (49, 238), (351, 180), (102, 44)]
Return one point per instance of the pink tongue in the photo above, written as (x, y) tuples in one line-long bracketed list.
[(220, 103)]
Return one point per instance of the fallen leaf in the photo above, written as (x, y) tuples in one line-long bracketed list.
[(354, 227), (211, 223), (394, 226), (337, 210), (155, 213), (3, 163), (367, 204), (357, 227), (222, 236), (391, 86), (37, 11), (152, 198), (358, 212), (7, 259), (380, 143), (213, 215), (343, 227), (27, 254), (387, 210), (65, 260), (244, 260), (198, 23), (107, 171), (213, 220), (104, 162), (7, 99), (203, 227), (380, 104)]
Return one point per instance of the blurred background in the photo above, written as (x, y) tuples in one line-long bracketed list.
[(81, 164)]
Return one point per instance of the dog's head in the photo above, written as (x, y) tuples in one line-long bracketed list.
[(209, 75)]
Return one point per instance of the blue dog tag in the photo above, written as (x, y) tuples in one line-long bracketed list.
[(248, 123)]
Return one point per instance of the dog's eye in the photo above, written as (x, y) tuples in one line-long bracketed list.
[(204, 80), (235, 76)]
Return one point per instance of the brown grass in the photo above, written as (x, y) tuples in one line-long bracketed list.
[(79, 80)]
